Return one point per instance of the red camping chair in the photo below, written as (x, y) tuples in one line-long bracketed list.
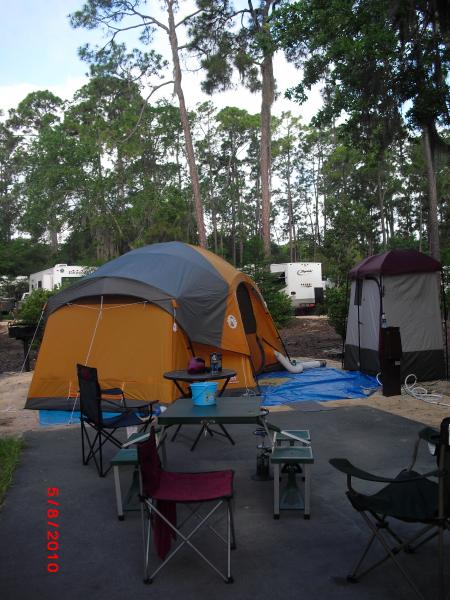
[(163, 490)]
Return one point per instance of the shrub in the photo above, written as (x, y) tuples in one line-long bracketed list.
[(32, 306), (279, 304), (336, 305)]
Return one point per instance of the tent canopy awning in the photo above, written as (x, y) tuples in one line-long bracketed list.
[(395, 262)]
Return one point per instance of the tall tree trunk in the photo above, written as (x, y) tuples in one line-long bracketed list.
[(316, 222), (198, 207), (212, 204), (420, 225), (231, 185), (241, 233), (294, 237), (291, 243), (433, 228), (268, 95), (381, 193), (214, 224), (258, 228), (233, 232), (315, 181), (53, 234), (289, 199)]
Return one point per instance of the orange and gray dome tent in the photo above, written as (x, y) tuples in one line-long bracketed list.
[(148, 312)]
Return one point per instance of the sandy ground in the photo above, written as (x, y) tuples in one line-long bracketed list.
[(14, 420)]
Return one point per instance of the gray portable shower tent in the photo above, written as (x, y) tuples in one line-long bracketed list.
[(405, 285)]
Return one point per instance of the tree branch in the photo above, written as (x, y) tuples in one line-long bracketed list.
[(254, 16), (188, 17), (144, 104), (120, 29), (148, 19)]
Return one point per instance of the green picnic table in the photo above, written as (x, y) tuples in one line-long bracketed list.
[(228, 410)]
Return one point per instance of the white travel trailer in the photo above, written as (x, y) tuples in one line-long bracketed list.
[(303, 282), (55, 276)]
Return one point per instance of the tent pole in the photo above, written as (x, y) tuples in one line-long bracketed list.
[(357, 283), (444, 308), (347, 304), (381, 292)]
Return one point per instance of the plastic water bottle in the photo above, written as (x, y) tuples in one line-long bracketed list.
[(214, 363), (383, 321)]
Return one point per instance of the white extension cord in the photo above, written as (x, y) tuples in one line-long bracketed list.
[(411, 388)]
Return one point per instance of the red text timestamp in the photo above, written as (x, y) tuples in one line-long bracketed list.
[(53, 534)]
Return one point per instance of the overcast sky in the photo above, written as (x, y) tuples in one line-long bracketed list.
[(39, 51)]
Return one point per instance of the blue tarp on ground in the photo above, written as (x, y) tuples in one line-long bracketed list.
[(64, 417), (319, 384)]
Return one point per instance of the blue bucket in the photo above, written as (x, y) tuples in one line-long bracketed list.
[(204, 393)]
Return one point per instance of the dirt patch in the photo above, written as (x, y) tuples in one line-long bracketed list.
[(312, 337), (11, 352)]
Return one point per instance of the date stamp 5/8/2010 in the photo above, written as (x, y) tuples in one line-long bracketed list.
[(53, 534)]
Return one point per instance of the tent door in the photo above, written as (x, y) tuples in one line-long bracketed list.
[(257, 356)]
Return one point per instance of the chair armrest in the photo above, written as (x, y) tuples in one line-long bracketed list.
[(429, 434), (123, 401), (345, 466), (118, 406), (113, 392)]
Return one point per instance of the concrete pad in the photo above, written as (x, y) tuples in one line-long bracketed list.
[(290, 558)]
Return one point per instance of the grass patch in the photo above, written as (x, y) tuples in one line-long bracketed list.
[(10, 449)]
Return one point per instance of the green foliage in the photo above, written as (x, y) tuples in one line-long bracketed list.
[(403, 242), (22, 256), (278, 303), (378, 62), (10, 449), (33, 305), (336, 307), (107, 172)]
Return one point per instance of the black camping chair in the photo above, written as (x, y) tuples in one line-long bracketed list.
[(410, 497), (91, 402)]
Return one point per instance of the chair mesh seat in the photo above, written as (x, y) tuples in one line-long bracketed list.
[(410, 501), (125, 420), (194, 487)]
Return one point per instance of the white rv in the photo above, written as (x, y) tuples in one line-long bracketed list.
[(302, 282), (55, 276)]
